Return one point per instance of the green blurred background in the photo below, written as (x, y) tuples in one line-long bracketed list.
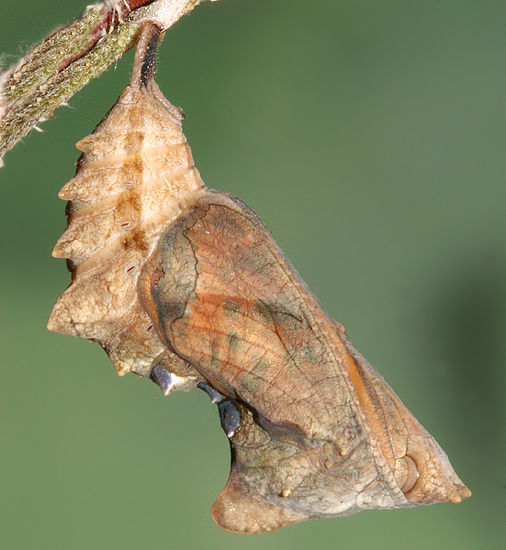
[(367, 135)]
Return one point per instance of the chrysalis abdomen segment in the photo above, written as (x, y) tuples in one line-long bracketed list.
[(133, 165), (135, 176)]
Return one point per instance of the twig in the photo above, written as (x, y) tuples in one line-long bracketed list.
[(70, 57)]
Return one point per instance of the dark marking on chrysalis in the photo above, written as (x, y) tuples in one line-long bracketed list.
[(234, 340), (163, 378), (230, 417), (214, 395), (231, 307)]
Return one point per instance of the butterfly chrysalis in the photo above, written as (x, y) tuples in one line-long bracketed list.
[(186, 285)]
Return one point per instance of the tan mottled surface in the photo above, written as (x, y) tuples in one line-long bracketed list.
[(135, 176), (321, 433)]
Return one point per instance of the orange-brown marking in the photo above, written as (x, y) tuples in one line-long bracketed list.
[(365, 401)]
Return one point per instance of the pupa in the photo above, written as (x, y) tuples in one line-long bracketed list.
[(185, 285)]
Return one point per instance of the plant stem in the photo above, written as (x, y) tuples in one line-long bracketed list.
[(70, 57)]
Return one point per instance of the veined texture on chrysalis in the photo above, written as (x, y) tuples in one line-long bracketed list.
[(187, 286)]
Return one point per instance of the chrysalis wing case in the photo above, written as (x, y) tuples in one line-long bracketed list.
[(187, 286)]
